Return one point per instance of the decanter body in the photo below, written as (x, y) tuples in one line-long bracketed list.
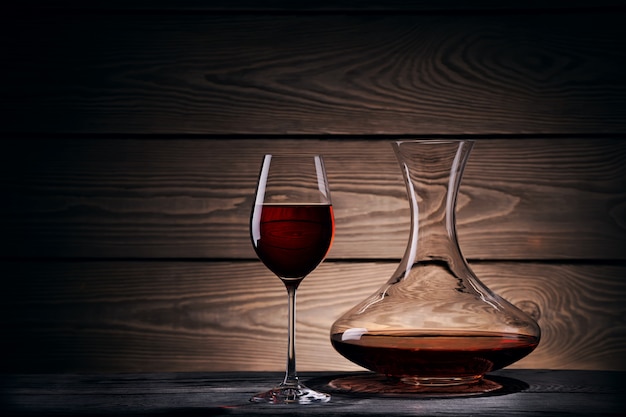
[(433, 323)]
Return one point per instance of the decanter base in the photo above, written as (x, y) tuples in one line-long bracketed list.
[(430, 387)]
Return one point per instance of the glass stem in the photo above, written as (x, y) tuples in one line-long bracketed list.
[(291, 376)]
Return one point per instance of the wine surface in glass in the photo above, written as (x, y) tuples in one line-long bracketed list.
[(292, 239), (437, 357)]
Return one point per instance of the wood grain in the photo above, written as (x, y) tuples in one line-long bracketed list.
[(125, 202), (536, 393), (525, 199), (332, 73), (218, 316)]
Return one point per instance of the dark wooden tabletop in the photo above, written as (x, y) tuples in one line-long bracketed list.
[(523, 393)]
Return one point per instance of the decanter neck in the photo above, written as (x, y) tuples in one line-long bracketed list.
[(432, 171)]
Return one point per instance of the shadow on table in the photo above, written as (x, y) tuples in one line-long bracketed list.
[(367, 384)]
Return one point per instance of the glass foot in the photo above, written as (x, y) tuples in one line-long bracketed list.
[(290, 394)]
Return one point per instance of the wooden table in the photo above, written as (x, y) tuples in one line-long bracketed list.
[(524, 393)]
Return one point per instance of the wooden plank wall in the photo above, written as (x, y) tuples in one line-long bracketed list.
[(132, 135)]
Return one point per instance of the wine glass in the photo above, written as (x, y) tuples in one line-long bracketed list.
[(292, 228)]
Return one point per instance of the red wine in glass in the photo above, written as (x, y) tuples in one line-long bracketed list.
[(292, 228), (293, 238)]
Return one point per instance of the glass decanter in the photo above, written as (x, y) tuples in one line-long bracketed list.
[(433, 324)]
